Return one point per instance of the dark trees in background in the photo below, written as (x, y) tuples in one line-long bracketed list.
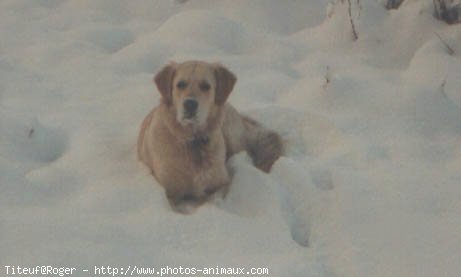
[(393, 4), (447, 11)]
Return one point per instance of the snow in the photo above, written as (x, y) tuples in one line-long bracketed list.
[(370, 184)]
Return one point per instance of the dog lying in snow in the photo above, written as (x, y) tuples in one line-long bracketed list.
[(187, 139)]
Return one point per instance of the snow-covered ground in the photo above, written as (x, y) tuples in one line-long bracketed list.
[(370, 185)]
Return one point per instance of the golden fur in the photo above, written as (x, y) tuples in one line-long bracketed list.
[(187, 151)]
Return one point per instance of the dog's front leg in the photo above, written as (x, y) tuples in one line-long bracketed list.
[(184, 201), (217, 191)]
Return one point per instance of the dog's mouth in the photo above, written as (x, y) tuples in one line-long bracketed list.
[(189, 120), (189, 115)]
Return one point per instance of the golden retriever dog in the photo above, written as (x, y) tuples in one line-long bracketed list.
[(187, 139)]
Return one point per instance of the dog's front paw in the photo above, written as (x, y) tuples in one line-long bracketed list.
[(214, 192), (185, 203)]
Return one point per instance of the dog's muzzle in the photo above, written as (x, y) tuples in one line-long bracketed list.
[(190, 108)]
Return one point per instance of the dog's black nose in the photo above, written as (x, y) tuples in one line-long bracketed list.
[(190, 107)]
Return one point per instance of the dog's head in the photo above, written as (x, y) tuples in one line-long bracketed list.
[(192, 88)]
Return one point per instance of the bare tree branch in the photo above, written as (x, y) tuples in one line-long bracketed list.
[(354, 31), (449, 49)]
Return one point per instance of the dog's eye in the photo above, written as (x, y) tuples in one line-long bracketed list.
[(181, 85), (204, 86)]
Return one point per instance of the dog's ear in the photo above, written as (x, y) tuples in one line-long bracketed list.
[(225, 81), (164, 81)]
